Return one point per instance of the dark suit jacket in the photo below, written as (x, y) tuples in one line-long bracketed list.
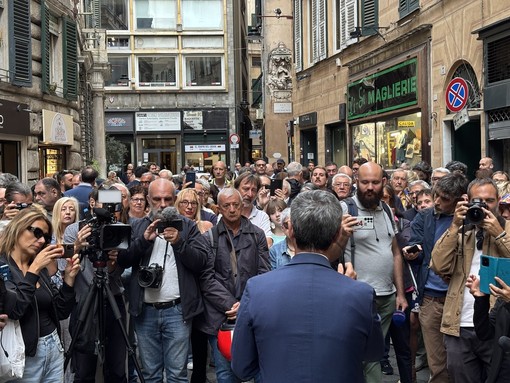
[(80, 192), (304, 322)]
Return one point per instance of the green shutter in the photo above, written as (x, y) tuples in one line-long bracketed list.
[(45, 47), (369, 17), (405, 7), (20, 43), (70, 60)]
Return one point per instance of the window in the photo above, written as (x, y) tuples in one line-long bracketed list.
[(156, 71), (298, 47), (405, 7), (318, 30), (120, 71), (155, 14), (51, 54), (20, 43), (119, 43), (204, 71), (346, 21), (114, 15), (202, 14), (498, 59), (256, 61)]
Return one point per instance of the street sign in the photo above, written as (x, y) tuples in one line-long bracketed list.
[(457, 94), (460, 118), (234, 141)]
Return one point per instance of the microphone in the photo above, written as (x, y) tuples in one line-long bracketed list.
[(169, 214), (504, 343)]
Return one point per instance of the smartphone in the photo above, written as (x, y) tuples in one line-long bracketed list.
[(413, 249), (68, 249), (275, 185), (191, 177), (491, 267), (364, 223)]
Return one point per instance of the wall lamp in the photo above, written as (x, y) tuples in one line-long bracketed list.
[(277, 14), (303, 76), (358, 31)]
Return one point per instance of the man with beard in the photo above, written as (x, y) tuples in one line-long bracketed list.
[(426, 229), (376, 256), (248, 185), (455, 256)]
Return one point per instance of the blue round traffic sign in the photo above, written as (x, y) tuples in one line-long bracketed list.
[(457, 94)]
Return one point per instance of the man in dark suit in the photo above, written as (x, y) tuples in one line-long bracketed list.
[(306, 322), (82, 191)]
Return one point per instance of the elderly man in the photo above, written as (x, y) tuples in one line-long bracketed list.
[(399, 182), (260, 167), (486, 163), (295, 306), (249, 185), (376, 255), (219, 180), (295, 179), (455, 256), (46, 193), (163, 312), (438, 173), (146, 179), (239, 252), (342, 186)]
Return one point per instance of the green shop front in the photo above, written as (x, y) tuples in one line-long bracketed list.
[(388, 115)]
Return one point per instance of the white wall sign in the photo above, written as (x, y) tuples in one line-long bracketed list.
[(158, 121), (282, 107)]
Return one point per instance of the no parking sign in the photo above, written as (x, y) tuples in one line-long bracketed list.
[(457, 94)]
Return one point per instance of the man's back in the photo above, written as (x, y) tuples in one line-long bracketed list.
[(306, 323)]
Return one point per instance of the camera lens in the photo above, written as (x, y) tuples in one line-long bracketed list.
[(475, 215)]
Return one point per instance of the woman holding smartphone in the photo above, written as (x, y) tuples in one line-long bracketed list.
[(39, 305)]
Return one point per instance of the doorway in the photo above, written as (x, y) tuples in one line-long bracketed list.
[(466, 146), (309, 146), (161, 151)]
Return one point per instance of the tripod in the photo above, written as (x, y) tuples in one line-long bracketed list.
[(99, 289)]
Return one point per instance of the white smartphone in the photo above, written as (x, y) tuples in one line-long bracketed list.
[(364, 223)]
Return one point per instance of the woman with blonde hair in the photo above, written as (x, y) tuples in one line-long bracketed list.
[(65, 212), (188, 204), (39, 304)]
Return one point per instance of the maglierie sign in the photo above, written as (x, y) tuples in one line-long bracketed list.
[(384, 91)]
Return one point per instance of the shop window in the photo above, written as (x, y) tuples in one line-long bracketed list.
[(202, 14), (204, 71), (390, 142), (156, 71), (155, 14), (51, 160), (119, 72)]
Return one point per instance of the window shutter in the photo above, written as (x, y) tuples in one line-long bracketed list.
[(20, 44), (322, 31), (348, 21), (369, 17), (45, 47), (298, 51), (70, 59), (314, 28), (405, 7), (96, 13)]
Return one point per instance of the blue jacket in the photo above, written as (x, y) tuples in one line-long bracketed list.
[(278, 255), (306, 323)]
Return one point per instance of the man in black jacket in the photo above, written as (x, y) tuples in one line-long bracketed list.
[(168, 307), (239, 252)]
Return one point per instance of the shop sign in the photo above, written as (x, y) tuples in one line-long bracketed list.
[(282, 107), (57, 128), (406, 124), (255, 134), (14, 118), (118, 122), (193, 119), (204, 148), (309, 119), (158, 121), (391, 89)]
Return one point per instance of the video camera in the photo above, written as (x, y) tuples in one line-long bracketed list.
[(475, 213), (107, 234)]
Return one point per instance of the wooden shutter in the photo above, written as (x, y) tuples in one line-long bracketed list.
[(298, 47), (369, 17), (45, 47), (322, 30), (70, 59), (20, 43)]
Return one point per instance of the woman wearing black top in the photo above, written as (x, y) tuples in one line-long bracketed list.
[(39, 305)]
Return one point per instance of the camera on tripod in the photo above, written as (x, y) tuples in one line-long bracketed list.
[(107, 234), (475, 213), (150, 276)]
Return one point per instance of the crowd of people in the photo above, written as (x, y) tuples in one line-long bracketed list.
[(343, 249)]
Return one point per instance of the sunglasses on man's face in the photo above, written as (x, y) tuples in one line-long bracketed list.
[(39, 233)]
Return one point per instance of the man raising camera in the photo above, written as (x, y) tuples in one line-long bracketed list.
[(476, 229), (164, 294)]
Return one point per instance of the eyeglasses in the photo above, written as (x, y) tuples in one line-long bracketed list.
[(343, 184), (187, 203), (39, 233), (137, 200), (145, 182)]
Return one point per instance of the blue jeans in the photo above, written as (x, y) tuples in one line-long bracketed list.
[(224, 373), (48, 363), (163, 342)]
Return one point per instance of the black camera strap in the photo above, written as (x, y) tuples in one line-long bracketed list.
[(165, 256)]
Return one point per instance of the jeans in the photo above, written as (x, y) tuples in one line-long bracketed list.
[(163, 342), (48, 363), (224, 373)]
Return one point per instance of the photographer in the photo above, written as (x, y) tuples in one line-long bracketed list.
[(18, 196), (476, 229), (84, 358), (164, 294)]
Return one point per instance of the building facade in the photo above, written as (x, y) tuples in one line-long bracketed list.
[(374, 79)]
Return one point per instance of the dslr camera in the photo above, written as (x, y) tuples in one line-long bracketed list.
[(150, 276), (475, 213)]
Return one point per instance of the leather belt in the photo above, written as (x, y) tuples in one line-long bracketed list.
[(435, 299), (164, 305)]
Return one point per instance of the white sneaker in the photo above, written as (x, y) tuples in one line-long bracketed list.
[(190, 366)]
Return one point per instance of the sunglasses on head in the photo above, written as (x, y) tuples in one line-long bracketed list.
[(39, 233)]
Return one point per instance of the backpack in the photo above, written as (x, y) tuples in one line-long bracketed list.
[(352, 210)]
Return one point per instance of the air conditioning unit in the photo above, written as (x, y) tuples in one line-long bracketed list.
[(259, 114)]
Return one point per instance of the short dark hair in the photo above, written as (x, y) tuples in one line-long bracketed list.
[(16, 188), (249, 177), (453, 185), (424, 167), (140, 170), (50, 183), (424, 192), (89, 175), (360, 161), (481, 182), (457, 166)]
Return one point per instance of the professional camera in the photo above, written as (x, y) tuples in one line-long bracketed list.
[(107, 234), (475, 213), (150, 276)]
